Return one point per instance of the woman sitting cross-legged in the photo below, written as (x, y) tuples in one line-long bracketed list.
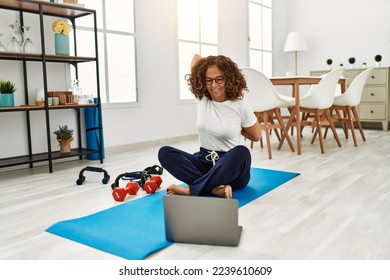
[(221, 164)]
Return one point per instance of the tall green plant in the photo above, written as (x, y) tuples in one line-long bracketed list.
[(7, 87)]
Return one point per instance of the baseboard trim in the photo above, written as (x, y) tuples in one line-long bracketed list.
[(149, 144)]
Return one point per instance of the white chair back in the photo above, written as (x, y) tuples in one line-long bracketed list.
[(322, 96), (262, 94), (353, 94)]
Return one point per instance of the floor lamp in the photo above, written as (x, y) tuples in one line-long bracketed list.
[(295, 42)]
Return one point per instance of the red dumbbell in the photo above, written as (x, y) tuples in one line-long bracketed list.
[(119, 194), (152, 184)]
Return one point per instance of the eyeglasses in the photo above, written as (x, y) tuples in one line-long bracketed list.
[(218, 80)]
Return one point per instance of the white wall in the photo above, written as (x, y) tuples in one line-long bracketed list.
[(233, 33), (334, 29), (160, 114)]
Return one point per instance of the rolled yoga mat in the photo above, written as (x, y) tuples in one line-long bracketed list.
[(92, 132), (135, 229)]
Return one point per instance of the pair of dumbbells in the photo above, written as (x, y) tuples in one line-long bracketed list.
[(138, 180)]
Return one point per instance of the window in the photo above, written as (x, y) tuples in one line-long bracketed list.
[(197, 33), (260, 35), (116, 44)]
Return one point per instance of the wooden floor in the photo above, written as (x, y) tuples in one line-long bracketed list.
[(338, 208)]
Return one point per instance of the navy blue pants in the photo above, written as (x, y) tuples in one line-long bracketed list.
[(198, 172)]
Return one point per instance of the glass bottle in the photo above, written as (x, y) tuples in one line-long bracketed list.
[(77, 92)]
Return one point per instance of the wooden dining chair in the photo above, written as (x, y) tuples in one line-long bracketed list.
[(266, 102)]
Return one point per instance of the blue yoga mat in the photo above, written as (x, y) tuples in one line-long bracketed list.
[(92, 132), (135, 229)]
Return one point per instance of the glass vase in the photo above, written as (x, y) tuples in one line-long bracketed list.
[(28, 45)]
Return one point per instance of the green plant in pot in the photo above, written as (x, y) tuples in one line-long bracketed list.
[(329, 61), (378, 59), (64, 138), (352, 61), (7, 89)]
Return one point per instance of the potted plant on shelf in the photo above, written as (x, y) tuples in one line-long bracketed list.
[(64, 138), (378, 59), (352, 61), (7, 89), (329, 61)]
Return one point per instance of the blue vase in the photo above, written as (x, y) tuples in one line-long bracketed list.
[(6, 100), (61, 44)]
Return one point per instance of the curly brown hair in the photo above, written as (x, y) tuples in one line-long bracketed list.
[(235, 82)]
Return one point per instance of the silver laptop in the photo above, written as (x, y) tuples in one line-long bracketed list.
[(201, 220)]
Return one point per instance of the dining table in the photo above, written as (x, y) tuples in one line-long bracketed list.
[(296, 82)]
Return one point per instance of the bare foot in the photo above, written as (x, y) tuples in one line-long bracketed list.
[(173, 189), (223, 190)]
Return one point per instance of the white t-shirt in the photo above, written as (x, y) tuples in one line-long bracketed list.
[(220, 123)]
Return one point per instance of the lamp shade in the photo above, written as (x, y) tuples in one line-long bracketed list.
[(295, 42)]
